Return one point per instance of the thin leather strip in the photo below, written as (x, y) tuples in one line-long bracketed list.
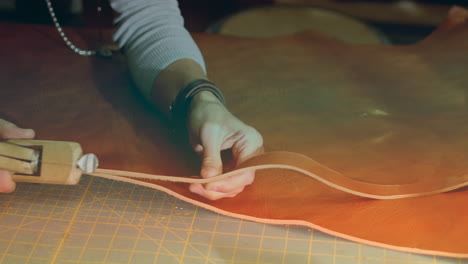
[(314, 170), (387, 115)]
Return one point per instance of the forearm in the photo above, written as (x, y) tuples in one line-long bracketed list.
[(161, 55), (165, 61), (172, 79)]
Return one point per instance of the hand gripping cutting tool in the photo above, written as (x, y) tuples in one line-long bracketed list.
[(44, 161)]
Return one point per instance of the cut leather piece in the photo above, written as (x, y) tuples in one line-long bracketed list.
[(280, 20), (380, 114), (314, 170)]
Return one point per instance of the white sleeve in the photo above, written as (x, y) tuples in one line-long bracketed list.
[(153, 35)]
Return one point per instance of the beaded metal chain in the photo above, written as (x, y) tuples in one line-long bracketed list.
[(64, 36), (105, 51)]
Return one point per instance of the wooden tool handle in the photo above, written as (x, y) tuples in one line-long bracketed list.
[(18, 159), (17, 166), (18, 152), (57, 163)]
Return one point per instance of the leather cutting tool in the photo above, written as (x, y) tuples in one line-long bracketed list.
[(44, 161)]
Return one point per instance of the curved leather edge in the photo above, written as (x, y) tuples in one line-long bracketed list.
[(284, 221), (313, 169)]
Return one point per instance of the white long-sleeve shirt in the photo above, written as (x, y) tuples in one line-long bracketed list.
[(153, 36)]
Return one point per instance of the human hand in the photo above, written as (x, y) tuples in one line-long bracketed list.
[(212, 129), (11, 131)]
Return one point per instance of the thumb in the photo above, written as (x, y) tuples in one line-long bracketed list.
[(7, 185), (212, 164)]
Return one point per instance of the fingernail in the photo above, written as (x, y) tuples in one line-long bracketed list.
[(28, 133)]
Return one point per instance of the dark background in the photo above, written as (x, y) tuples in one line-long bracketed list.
[(199, 14)]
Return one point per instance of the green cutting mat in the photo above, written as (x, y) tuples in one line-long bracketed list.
[(102, 221)]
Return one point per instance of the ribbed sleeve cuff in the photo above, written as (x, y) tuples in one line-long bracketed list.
[(153, 36), (157, 51)]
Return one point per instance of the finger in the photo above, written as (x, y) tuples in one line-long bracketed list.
[(15, 132), (213, 195), (212, 164), (232, 183), (10, 130), (244, 148), (7, 185), (248, 146), (4, 123)]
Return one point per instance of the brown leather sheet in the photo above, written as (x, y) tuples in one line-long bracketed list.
[(380, 114)]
